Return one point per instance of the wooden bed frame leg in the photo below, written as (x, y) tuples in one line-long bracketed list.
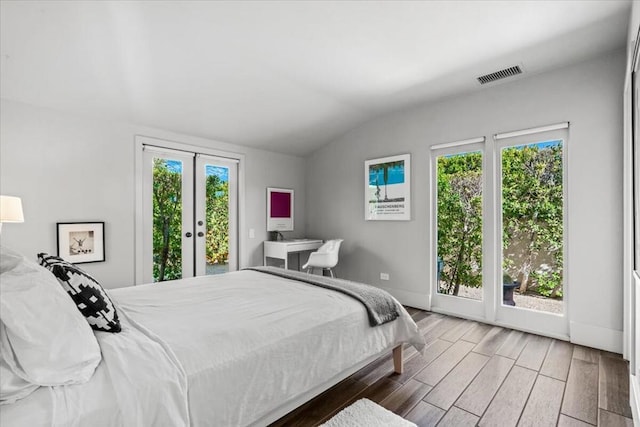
[(398, 364)]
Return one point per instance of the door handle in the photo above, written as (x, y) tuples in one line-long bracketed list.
[(200, 234), (188, 234)]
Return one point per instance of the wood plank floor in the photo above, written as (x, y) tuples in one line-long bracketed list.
[(475, 374)]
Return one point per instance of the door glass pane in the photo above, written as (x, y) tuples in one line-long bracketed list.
[(217, 219), (167, 219), (459, 263), (532, 226)]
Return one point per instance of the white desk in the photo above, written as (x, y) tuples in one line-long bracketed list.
[(282, 248)]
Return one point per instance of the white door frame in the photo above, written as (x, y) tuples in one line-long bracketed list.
[(186, 232), (139, 142), (200, 194), (449, 304), (518, 317), (631, 189)]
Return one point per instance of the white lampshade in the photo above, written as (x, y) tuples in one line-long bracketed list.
[(11, 209)]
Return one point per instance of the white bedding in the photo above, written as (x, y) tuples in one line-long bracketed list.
[(246, 342), (139, 382)]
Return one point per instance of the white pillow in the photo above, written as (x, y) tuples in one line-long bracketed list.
[(46, 340)]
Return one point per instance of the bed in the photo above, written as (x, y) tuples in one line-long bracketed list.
[(239, 349)]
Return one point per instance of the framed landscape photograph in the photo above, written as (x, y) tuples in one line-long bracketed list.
[(387, 195), (81, 242)]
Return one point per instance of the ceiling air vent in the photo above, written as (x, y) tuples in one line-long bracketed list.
[(498, 75)]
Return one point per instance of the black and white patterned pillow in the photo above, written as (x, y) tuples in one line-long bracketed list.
[(90, 298)]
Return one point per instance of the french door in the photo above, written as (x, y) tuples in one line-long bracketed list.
[(531, 230), (458, 207), (499, 229), (190, 209)]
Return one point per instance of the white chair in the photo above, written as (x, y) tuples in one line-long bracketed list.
[(326, 257)]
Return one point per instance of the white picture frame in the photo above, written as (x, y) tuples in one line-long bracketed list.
[(81, 242), (387, 195), (280, 215)]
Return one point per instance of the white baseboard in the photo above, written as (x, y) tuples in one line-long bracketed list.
[(634, 398), (596, 337), (580, 333), (412, 299)]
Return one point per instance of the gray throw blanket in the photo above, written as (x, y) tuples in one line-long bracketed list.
[(381, 307)]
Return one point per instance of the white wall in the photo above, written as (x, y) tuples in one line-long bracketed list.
[(69, 168), (589, 95)]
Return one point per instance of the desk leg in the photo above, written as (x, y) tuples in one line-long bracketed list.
[(264, 262)]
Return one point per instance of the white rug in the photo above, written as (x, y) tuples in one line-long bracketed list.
[(365, 413)]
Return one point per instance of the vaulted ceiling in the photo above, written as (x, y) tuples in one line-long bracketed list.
[(282, 75)]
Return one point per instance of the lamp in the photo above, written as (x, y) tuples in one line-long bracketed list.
[(10, 210)]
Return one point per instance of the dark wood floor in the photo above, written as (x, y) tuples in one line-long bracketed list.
[(476, 374)]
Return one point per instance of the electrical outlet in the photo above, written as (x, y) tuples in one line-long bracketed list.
[(384, 276)]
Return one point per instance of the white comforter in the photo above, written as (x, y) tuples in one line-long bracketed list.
[(246, 343), (139, 382)]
